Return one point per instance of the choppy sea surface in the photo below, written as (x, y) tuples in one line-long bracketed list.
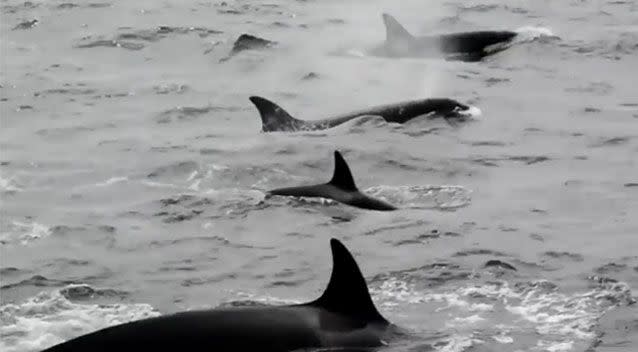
[(133, 169)]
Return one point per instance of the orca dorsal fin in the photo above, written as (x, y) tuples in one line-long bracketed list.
[(394, 31), (274, 117), (347, 292), (342, 177)]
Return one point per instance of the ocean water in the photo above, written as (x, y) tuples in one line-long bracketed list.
[(132, 168)]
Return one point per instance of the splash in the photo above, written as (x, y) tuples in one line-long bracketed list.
[(473, 112), (50, 318), (533, 316), (24, 232), (9, 185), (456, 344)]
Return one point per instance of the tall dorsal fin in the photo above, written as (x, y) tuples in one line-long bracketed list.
[(342, 177), (394, 31), (274, 117), (347, 292)]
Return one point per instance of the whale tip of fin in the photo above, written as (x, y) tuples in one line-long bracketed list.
[(347, 292), (273, 116), (394, 31), (342, 177)]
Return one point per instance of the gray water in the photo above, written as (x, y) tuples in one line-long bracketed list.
[(132, 168)]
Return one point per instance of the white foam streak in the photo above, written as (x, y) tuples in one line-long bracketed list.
[(158, 184), (446, 197), (111, 181)]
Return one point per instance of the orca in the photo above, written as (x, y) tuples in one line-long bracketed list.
[(340, 188), (344, 316), (465, 46), (275, 118)]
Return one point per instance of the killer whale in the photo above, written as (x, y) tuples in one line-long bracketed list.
[(275, 118), (466, 46), (344, 316), (340, 188)]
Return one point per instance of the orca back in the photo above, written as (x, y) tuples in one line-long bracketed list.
[(473, 42), (467, 46), (344, 316), (241, 329), (341, 188)]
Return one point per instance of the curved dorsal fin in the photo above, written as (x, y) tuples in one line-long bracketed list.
[(394, 31), (274, 117), (347, 292), (342, 177)]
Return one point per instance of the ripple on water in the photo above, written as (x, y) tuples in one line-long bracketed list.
[(89, 42), (27, 5), (92, 5), (496, 161), (418, 239), (10, 271), (66, 91), (499, 264), (575, 257), (614, 141), (189, 113), (177, 169), (611, 268), (479, 251), (137, 39), (216, 202), (36, 281), (169, 88), (623, 45)]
